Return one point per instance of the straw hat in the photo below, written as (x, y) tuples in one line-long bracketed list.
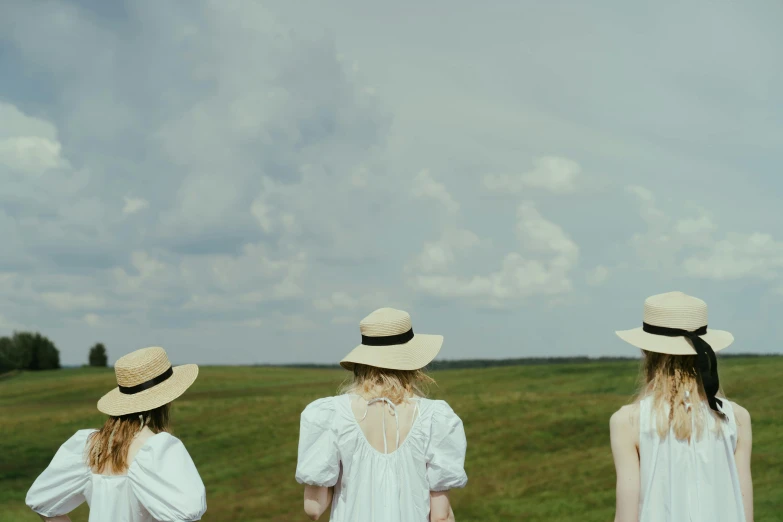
[(388, 342), (664, 314), (146, 380)]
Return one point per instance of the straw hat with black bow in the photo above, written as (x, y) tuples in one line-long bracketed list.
[(388, 342), (146, 380), (675, 323)]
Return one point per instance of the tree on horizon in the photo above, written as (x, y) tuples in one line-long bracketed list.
[(28, 351), (98, 356)]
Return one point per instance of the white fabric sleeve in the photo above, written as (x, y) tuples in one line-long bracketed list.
[(446, 450), (166, 482), (60, 488), (318, 462)]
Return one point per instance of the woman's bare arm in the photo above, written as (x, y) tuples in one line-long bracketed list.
[(626, 463), (316, 500), (440, 507), (742, 458)]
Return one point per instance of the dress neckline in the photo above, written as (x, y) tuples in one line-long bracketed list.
[(363, 437)]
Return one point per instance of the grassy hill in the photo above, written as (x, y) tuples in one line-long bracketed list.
[(538, 440)]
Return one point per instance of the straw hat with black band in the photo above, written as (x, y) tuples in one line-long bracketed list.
[(146, 380), (388, 342), (676, 324)]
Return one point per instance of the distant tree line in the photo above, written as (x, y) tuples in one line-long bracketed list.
[(28, 351), (525, 361), (33, 351)]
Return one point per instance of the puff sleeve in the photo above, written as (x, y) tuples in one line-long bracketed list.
[(165, 481), (60, 488), (318, 462), (446, 450)]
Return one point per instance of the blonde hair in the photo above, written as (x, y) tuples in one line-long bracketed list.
[(371, 382), (674, 380), (108, 448)]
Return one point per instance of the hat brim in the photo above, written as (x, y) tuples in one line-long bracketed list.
[(413, 355), (116, 403), (717, 339)]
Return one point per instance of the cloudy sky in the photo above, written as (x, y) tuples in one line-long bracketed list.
[(243, 181)]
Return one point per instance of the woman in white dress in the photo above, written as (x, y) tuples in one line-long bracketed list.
[(132, 469), (381, 452), (681, 450)]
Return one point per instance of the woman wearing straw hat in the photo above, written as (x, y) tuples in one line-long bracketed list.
[(380, 452), (132, 469), (681, 450)]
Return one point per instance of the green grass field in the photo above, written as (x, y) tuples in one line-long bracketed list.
[(538, 439)]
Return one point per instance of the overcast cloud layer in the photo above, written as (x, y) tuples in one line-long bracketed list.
[(242, 182)]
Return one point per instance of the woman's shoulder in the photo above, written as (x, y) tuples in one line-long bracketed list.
[(741, 415), (324, 403), (159, 445), (626, 417), (436, 408), (322, 411), (77, 442), (83, 434), (434, 404), (74, 448), (160, 452)]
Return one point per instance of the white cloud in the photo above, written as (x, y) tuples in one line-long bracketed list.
[(67, 301), (543, 269), (14, 123), (9, 324), (651, 214), (437, 256), (342, 301), (597, 276), (134, 205), (270, 208), (426, 187), (146, 268), (27, 144), (518, 278), (345, 319), (552, 173), (738, 256), (667, 237), (694, 226), (282, 322), (541, 235), (262, 212), (92, 319), (695, 247), (30, 154)]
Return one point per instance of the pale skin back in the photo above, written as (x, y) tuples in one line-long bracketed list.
[(317, 499), (624, 432), (135, 446)]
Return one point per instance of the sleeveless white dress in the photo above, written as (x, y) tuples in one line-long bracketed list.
[(684, 481), (162, 484), (370, 486)]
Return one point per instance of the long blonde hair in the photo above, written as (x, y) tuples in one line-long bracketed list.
[(371, 382), (108, 447), (674, 380)]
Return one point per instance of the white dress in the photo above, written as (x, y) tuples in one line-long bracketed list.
[(685, 481), (162, 484), (370, 486)]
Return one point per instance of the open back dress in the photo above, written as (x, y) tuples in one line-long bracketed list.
[(371, 486)]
